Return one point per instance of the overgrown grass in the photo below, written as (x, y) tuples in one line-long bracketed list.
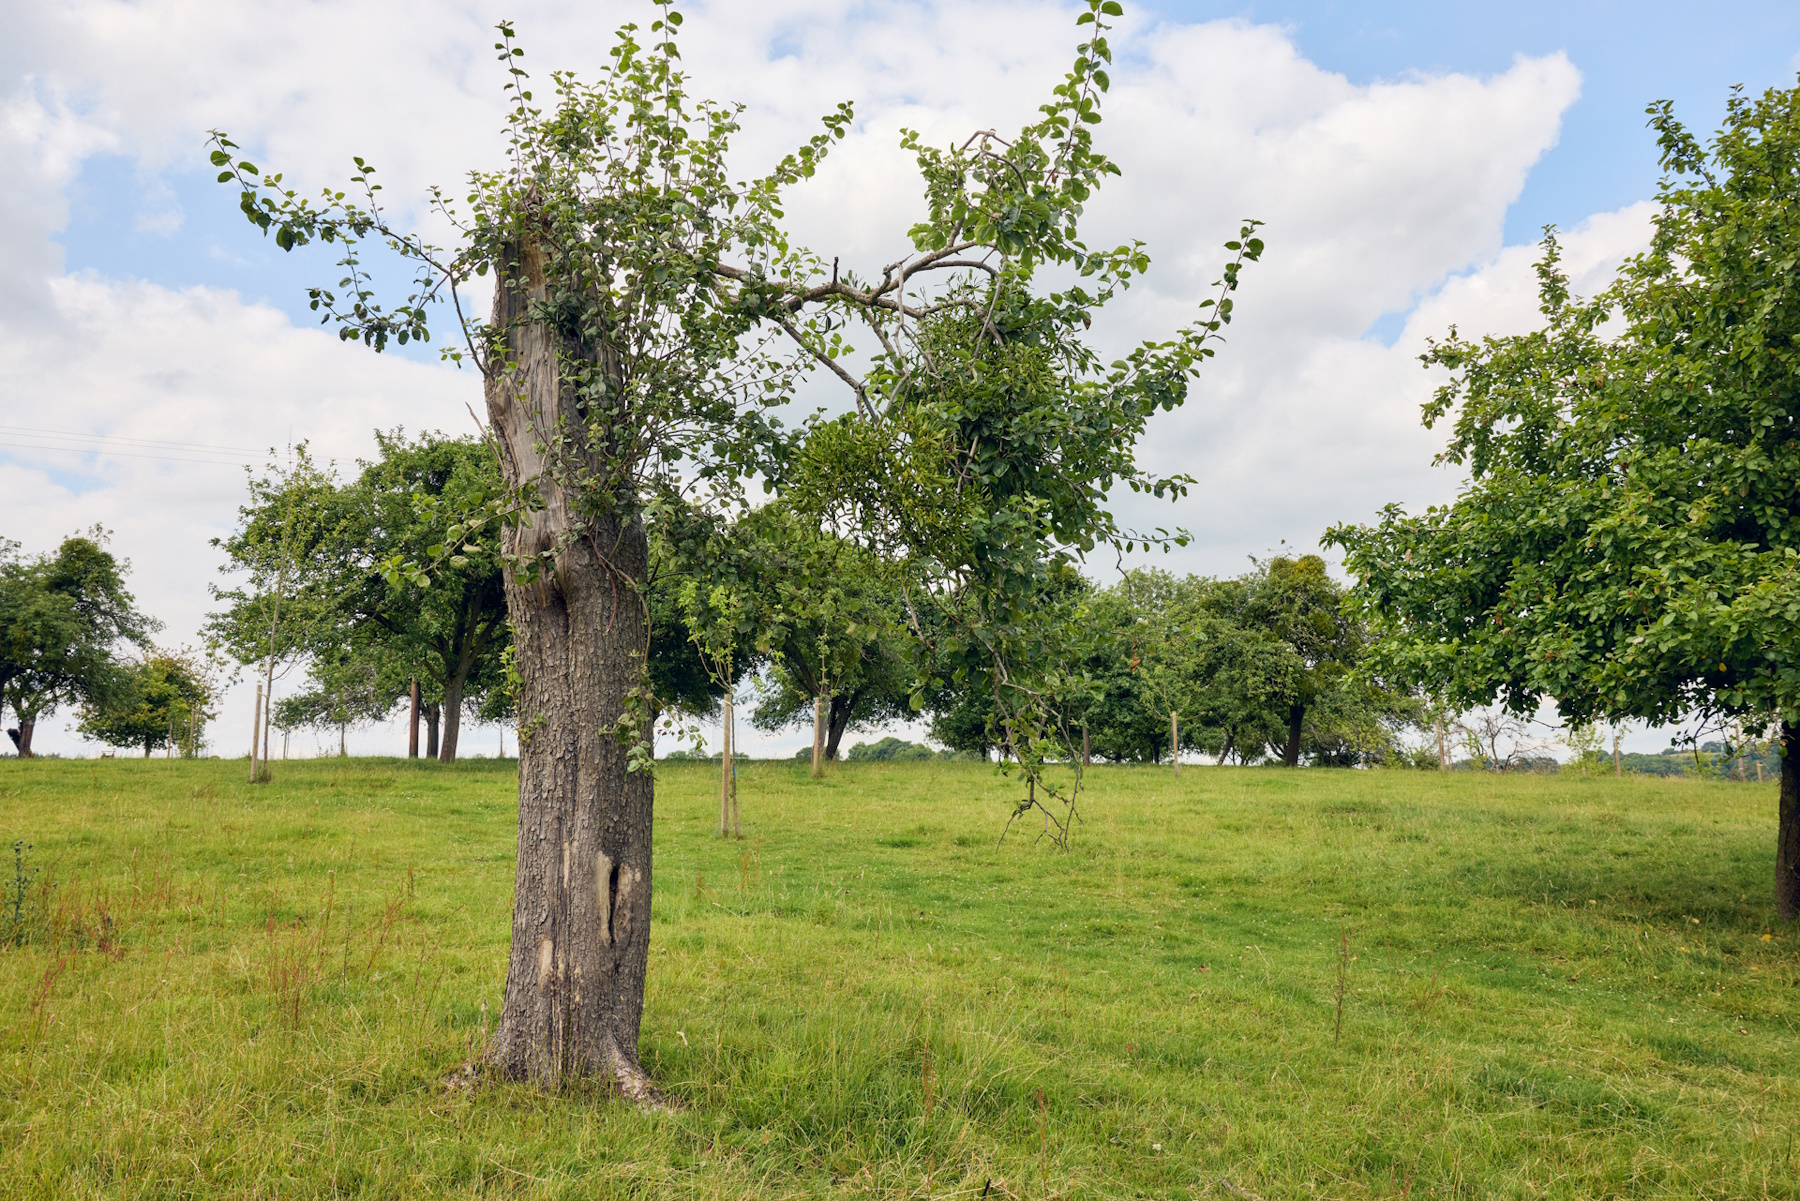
[(1554, 987)]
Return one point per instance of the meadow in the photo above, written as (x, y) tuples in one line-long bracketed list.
[(1247, 983)]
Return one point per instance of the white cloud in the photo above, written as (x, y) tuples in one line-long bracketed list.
[(1378, 198)]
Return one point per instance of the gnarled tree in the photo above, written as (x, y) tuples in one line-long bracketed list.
[(630, 357)]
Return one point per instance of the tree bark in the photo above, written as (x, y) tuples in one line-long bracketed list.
[(837, 722), (24, 738), (412, 723), (431, 731), (453, 687), (581, 894), (818, 768), (1787, 826), (1291, 754), (1175, 743)]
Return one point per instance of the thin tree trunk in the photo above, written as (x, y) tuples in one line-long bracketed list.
[(1787, 827), (1291, 754), (343, 740), (268, 706), (581, 893), (412, 723), (725, 769), (1443, 751), (818, 767), (431, 731), (1226, 749), (1175, 743), (1618, 762), (255, 732)]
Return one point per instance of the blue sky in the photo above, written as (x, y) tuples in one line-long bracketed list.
[(1629, 54)]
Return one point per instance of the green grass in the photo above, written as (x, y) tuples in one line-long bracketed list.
[(1555, 987)]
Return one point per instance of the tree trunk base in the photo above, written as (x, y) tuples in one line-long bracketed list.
[(632, 1081)]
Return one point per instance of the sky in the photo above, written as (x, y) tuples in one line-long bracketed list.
[(1405, 157)]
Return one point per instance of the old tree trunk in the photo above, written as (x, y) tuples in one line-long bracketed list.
[(581, 903)]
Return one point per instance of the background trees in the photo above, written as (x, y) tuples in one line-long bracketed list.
[(314, 547), (451, 635), (1629, 541), (161, 702), (63, 619)]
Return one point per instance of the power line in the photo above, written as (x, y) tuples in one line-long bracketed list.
[(156, 443), (123, 454)]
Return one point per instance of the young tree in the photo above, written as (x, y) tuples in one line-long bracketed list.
[(286, 547), (62, 619), (626, 361), (1628, 538)]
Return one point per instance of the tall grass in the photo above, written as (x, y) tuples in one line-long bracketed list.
[(1241, 983)]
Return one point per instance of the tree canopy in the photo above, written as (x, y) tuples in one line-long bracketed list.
[(63, 619), (163, 701), (1629, 539)]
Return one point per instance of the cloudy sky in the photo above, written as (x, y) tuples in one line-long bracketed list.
[(1403, 155)]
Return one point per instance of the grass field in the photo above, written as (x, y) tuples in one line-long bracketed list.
[(1552, 987)]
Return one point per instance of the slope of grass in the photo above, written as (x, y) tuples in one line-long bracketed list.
[(1551, 987)]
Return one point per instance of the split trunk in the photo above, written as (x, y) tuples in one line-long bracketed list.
[(581, 900)]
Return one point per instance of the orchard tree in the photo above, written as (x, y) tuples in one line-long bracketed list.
[(1628, 543), (163, 703), (830, 629), (453, 634), (284, 551), (631, 355), (1296, 604), (63, 618)]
